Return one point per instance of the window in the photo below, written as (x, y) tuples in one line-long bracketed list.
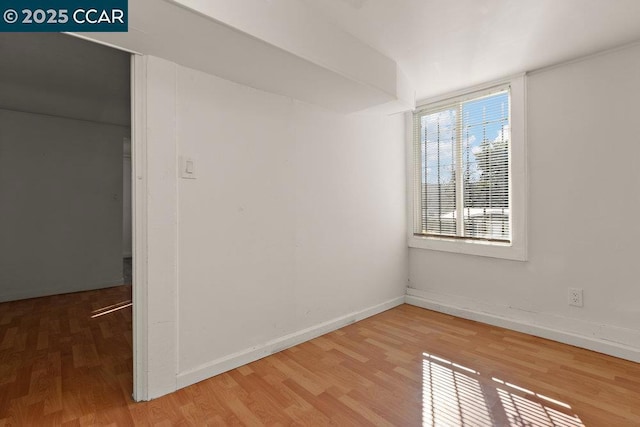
[(468, 178), (463, 151)]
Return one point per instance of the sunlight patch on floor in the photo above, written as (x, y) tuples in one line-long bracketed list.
[(454, 394), (111, 309)]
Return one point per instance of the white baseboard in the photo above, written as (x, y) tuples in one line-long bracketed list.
[(252, 354), (584, 337), (43, 292)]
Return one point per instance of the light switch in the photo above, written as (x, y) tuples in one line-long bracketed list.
[(187, 168)]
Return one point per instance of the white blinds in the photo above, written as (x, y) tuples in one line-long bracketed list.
[(462, 168)]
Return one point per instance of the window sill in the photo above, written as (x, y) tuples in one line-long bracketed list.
[(510, 251)]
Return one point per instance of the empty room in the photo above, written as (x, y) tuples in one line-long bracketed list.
[(332, 212)]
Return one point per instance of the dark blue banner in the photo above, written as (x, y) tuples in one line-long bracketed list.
[(26, 16)]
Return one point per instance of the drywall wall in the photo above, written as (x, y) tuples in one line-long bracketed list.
[(295, 217), (583, 206), (60, 205), (294, 225)]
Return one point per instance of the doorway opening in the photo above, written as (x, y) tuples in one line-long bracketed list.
[(66, 217)]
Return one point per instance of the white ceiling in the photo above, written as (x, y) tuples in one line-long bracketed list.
[(447, 45), (277, 46), (52, 73), (305, 49)]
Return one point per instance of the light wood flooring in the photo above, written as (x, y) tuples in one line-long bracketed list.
[(63, 363)]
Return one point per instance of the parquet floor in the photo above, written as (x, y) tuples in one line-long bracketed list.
[(405, 367)]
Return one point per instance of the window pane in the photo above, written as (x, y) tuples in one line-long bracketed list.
[(438, 133), (485, 159)]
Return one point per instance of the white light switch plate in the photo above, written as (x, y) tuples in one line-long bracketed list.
[(187, 168)]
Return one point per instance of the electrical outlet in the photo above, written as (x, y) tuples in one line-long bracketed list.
[(575, 297)]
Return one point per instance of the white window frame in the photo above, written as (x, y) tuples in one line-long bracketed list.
[(518, 188)]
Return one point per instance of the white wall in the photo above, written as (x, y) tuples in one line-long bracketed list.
[(64, 111), (583, 217), (60, 205), (294, 225)]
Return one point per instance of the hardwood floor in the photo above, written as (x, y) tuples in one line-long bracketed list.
[(66, 360)]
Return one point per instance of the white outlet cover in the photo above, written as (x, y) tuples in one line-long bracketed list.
[(575, 297)]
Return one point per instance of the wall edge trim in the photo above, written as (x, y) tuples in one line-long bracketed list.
[(252, 354), (29, 293), (421, 299)]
